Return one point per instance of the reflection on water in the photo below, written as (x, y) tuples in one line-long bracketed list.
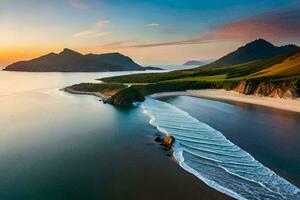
[(17, 82), (54, 145)]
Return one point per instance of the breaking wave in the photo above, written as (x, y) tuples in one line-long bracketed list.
[(206, 153)]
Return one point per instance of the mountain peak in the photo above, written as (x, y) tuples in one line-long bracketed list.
[(67, 51), (259, 43), (255, 50)]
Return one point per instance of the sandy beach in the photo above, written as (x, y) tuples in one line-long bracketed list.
[(219, 94), (282, 104)]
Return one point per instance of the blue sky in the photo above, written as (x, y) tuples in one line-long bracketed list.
[(150, 31)]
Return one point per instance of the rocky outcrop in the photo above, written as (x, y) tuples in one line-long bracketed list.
[(279, 90), (126, 97), (166, 141)]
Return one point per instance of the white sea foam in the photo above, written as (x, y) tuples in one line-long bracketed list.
[(206, 153)]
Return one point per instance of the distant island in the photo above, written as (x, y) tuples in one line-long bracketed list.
[(152, 68), (194, 63), (72, 61), (258, 68)]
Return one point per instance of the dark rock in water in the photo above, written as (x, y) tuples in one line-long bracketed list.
[(167, 141), (169, 154), (157, 139)]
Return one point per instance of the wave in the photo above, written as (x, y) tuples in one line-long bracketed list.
[(206, 153)]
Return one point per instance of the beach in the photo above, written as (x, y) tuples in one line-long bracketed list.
[(218, 94)]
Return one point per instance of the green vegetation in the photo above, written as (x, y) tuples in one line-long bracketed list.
[(278, 75), (126, 97), (108, 89), (208, 72)]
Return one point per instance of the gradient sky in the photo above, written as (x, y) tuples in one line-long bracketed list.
[(149, 31)]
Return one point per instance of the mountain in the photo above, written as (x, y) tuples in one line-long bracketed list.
[(194, 62), (259, 74), (152, 68), (255, 50), (72, 61), (289, 67), (284, 65)]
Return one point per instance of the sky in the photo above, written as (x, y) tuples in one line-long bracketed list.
[(151, 32)]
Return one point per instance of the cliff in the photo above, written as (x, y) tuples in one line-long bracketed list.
[(126, 97), (279, 90)]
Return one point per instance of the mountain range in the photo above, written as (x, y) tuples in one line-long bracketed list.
[(72, 61)]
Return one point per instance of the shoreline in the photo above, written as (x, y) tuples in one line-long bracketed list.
[(97, 94), (216, 94), (292, 105), (168, 171), (288, 104)]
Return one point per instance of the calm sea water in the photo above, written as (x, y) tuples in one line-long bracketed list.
[(58, 146), (54, 145)]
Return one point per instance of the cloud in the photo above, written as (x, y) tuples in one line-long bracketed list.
[(78, 4), (95, 30), (153, 24), (278, 25), (117, 44)]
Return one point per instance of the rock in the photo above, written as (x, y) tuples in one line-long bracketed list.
[(157, 139), (169, 154), (126, 97), (279, 90), (167, 141)]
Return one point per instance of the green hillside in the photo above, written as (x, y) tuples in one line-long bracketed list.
[(278, 75), (240, 71)]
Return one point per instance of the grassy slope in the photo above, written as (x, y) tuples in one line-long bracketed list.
[(289, 67), (107, 89), (212, 73), (282, 70)]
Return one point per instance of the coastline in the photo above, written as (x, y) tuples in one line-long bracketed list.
[(292, 105), (97, 94), (288, 104), (283, 104), (160, 169)]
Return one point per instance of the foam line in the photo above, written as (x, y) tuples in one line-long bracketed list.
[(209, 155)]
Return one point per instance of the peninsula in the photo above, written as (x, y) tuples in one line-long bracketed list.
[(258, 68)]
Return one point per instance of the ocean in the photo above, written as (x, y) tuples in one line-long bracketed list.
[(55, 145)]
